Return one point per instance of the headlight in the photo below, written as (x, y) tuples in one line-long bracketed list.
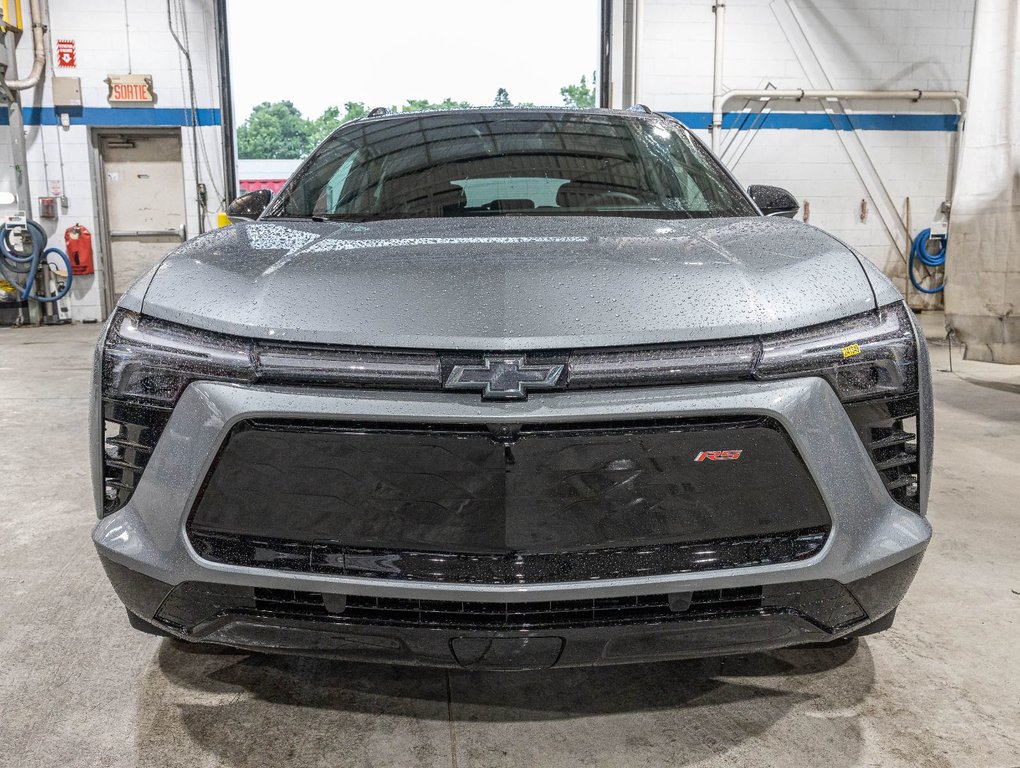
[(152, 360), (864, 356)]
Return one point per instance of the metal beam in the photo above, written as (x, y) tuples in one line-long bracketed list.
[(226, 103)]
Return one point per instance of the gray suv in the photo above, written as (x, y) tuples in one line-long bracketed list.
[(512, 389)]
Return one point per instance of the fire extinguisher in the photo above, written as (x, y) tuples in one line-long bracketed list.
[(79, 249)]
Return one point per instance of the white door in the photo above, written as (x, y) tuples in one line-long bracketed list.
[(144, 186)]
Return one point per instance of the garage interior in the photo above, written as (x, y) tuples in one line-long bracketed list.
[(80, 687), (884, 119)]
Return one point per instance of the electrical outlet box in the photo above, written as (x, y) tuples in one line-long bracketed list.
[(66, 91), (939, 228), (47, 207)]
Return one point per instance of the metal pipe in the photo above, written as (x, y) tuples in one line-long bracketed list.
[(906, 250), (719, 9), (799, 94), (915, 95), (606, 57), (38, 48), (19, 153), (226, 104), (635, 66), (16, 122)]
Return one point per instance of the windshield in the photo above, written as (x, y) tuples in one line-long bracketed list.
[(509, 162)]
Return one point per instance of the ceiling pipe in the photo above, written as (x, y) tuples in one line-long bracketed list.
[(718, 97), (38, 48)]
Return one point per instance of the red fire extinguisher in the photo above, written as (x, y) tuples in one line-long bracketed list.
[(79, 249)]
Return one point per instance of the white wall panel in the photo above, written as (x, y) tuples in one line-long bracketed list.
[(861, 44)]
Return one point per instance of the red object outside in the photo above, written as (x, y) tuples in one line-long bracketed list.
[(78, 245), (250, 185)]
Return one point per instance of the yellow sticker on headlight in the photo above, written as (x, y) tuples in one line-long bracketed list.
[(851, 349)]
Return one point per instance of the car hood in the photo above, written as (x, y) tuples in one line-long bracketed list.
[(509, 282)]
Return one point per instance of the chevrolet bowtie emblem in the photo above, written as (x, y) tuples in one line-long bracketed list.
[(504, 378)]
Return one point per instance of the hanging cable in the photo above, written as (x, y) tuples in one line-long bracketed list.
[(919, 251), (13, 263), (198, 144), (200, 199)]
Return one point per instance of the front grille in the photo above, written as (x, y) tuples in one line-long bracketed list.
[(826, 603), (131, 432), (888, 429), (493, 504)]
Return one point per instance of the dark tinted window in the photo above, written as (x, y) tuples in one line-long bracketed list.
[(510, 162)]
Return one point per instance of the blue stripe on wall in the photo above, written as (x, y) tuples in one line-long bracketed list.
[(118, 116), (819, 121), (803, 121)]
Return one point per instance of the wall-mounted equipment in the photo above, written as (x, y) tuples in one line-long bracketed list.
[(10, 14), (47, 207), (66, 92), (78, 242), (26, 264)]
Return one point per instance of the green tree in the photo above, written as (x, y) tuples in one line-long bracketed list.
[(502, 99), (331, 119), (420, 105), (579, 95), (272, 131)]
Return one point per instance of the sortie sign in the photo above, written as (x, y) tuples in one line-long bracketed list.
[(131, 90)]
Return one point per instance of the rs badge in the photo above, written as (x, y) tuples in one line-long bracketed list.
[(718, 456)]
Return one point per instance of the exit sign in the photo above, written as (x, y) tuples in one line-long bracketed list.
[(131, 90)]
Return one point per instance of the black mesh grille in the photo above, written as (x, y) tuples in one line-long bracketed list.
[(827, 604), (131, 434), (556, 613)]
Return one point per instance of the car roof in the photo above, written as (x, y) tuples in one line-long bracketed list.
[(639, 111)]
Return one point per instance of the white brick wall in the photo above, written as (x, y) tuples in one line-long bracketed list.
[(862, 44), (98, 29)]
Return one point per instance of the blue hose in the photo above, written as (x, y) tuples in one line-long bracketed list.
[(10, 260), (919, 251)]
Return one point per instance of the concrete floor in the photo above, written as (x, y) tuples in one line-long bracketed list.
[(78, 687)]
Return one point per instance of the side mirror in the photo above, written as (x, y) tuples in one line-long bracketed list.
[(774, 201), (249, 205)]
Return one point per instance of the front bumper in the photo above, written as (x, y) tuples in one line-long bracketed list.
[(447, 634), (870, 533)]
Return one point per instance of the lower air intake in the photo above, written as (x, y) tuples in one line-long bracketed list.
[(827, 604), (131, 433)]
